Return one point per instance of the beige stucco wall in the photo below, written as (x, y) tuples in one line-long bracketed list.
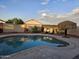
[(8, 28), (19, 28), (32, 23), (12, 28), (29, 25), (51, 28), (74, 31)]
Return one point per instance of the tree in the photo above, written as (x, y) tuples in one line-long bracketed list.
[(9, 21), (15, 21), (66, 25), (35, 29), (2, 21)]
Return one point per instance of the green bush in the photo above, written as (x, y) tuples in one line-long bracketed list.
[(61, 32), (35, 29)]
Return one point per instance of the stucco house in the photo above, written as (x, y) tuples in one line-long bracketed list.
[(47, 27), (51, 28), (44, 26), (67, 26), (32, 23)]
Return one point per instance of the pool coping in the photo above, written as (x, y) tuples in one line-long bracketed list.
[(72, 45)]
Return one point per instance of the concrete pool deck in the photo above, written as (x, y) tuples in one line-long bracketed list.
[(46, 52)]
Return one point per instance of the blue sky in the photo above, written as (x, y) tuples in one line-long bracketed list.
[(26, 9)]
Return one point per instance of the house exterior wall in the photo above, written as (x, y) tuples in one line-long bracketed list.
[(67, 25), (19, 28), (32, 23), (51, 29), (8, 28), (74, 31), (47, 28), (12, 28), (29, 25)]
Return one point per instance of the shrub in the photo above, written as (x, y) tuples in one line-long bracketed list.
[(35, 29)]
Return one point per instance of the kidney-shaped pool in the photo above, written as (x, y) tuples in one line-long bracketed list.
[(13, 44)]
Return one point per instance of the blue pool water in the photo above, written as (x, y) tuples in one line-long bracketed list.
[(13, 44)]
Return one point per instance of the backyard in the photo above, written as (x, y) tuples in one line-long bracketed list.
[(39, 29)]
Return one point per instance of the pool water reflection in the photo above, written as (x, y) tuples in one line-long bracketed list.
[(13, 44)]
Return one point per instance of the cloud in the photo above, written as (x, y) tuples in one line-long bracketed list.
[(71, 16), (43, 11), (46, 13), (60, 16), (2, 6), (76, 10), (45, 2)]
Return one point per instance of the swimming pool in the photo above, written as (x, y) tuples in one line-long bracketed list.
[(16, 43)]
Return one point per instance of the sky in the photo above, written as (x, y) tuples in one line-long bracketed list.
[(27, 9)]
